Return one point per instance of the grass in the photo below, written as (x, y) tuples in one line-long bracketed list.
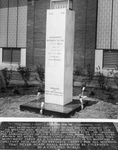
[(101, 105)]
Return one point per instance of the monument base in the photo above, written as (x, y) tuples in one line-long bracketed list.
[(53, 109)]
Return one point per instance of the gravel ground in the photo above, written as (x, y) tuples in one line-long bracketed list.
[(9, 107)]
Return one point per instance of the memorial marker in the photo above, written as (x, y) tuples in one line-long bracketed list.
[(58, 99), (59, 55), (58, 135)]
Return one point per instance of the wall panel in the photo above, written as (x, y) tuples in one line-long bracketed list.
[(12, 23), (3, 22), (104, 24), (22, 23), (115, 25)]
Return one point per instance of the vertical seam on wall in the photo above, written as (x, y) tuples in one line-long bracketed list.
[(111, 25), (17, 24), (26, 24), (96, 28), (102, 58), (11, 54), (26, 32), (7, 24), (96, 25), (33, 33), (85, 34)]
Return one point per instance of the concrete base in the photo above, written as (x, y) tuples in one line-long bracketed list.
[(53, 109)]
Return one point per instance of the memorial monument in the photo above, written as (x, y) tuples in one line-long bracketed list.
[(59, 52), (58, 99)]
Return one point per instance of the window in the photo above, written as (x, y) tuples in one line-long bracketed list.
[(110, 58), (11, 55)]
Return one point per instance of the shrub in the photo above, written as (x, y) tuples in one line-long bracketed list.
[(92, 92), (25, 74), (41, 88), (79, 71), (16, 91), (116, 79), (114, 74), (101, 79), (111, 95), (41, 73), (109, 89), (2, 84), (6, 77), (89, 73)]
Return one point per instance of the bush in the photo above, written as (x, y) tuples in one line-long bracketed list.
[(89, 73), (79, 71), (116, 79), (92, 92), (101, 79), (41, 88), (111, 96), (25, 74), (114, 74), (41, 73), (6, 77), (2, 84)]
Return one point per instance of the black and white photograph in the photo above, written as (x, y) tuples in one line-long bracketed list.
[(59, 60)]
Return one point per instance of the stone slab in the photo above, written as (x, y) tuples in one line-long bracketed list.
[(53, 109), (58, 136)]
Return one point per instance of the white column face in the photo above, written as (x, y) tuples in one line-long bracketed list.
[(58, 56)]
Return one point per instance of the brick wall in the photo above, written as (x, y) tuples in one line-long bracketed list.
[(30, 35), (85, 29), (115, 25), (107, 26), (104, 24)]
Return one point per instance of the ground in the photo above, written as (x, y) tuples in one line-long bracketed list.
[(97, 108)]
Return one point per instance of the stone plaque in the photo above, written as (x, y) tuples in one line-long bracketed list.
[(59, 56), (58, 136)]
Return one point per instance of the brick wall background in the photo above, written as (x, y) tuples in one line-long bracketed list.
[(104, 24), (115, 25), (85, 32), (107, 26)]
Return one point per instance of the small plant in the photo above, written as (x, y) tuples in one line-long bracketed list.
[(41, 88), (25, 74), (41, 73), (16, 91), (6, 77), (114, 74), (89, 73), (79, 71), (111, 96), (92, 92), (2, 84), (102, 80), (109, 89), (116, 79)]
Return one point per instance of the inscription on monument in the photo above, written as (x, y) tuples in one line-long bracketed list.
[(52, 135), (54, 91), (55, 46)]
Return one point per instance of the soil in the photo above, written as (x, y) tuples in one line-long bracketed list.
[(102, 103)]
